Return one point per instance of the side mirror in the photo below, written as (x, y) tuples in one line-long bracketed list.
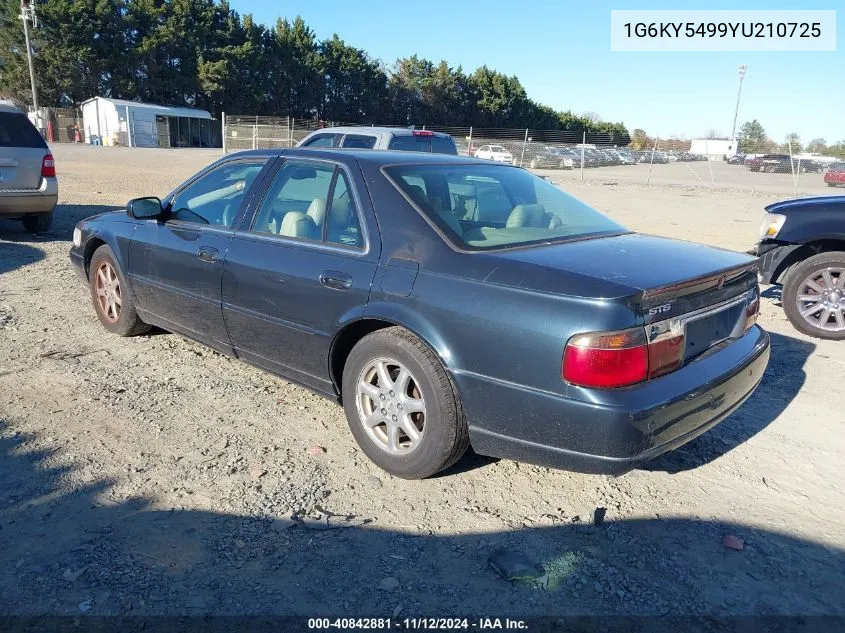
[(144, 208)]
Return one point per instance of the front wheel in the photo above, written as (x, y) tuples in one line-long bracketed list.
[(112, 296), (38, 222), (814, 296), (402, 406)]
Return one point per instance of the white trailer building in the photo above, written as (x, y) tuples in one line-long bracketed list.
[(135, 124), (713, 148)]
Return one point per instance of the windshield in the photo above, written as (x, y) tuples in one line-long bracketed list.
[(483, 207)]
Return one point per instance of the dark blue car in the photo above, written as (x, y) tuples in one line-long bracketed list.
[(445, 301)]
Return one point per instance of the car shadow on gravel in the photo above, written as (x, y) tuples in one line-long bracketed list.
[(65, 218), (781, 382), (71, 544), (14, 256)]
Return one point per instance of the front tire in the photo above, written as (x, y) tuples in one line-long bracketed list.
[(402, 406), (814, 296), (38, 222), (113, 300)]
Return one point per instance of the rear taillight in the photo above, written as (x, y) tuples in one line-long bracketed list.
[(606, 360), (422, 133), (665, 348), (48, 167), (752, 309)]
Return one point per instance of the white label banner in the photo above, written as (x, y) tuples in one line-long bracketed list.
[(763, 30)]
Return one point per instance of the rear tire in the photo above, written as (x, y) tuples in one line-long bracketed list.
[(796, 282), (427, 392), (113, 299), (38, 222)]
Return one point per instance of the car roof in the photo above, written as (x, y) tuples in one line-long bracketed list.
[(378, 157), (9, 107), (367, 129)]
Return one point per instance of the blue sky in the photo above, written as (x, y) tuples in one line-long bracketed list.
[(562, 56)]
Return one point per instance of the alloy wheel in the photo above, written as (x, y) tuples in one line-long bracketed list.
[(821, 299), (390, 406), (109, 296)]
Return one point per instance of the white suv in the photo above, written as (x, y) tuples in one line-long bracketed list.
[(28, 186)]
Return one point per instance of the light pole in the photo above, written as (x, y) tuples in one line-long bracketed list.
[(28, 15), (741, 69)]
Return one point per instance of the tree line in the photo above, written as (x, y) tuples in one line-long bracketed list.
[(753, 139), (202, 53)]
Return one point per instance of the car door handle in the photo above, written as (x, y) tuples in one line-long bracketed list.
[(335, 280), (208, 254)]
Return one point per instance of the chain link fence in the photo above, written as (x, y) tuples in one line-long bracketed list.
[(565, 155)]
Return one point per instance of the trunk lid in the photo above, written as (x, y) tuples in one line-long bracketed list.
[(660, 277)]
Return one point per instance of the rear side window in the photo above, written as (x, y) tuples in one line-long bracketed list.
[(430, 144), (360, 141), (17, 131), (322, 140)]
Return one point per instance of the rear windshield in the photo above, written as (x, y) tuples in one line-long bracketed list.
[(431, 144), (837, 166), (484, 207), (17, 131)]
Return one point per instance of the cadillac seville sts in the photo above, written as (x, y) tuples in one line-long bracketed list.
[(444, 301)]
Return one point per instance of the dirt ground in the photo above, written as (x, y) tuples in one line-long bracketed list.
[(153, 476)]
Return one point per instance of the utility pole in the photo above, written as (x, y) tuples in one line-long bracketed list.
[(741, 70), (28, 15)]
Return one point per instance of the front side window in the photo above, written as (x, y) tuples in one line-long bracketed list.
[(484, 207), (310, 201), (215, 197)]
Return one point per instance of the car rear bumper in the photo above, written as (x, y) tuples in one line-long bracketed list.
[(629, 427), (22, 202)]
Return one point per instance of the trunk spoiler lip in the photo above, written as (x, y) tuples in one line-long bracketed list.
[(707, 282)]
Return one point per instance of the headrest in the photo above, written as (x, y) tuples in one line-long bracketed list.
[(317, 211), (526, 215), (298, 224)]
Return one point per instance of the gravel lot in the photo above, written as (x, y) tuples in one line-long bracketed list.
[(153, 476)]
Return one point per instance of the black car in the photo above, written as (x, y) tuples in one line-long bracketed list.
[(802, 248), (446, 301), (548, 158), (736, 159), (775, 163)]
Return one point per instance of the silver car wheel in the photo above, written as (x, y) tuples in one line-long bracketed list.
[(391, 407), (821, 299)]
